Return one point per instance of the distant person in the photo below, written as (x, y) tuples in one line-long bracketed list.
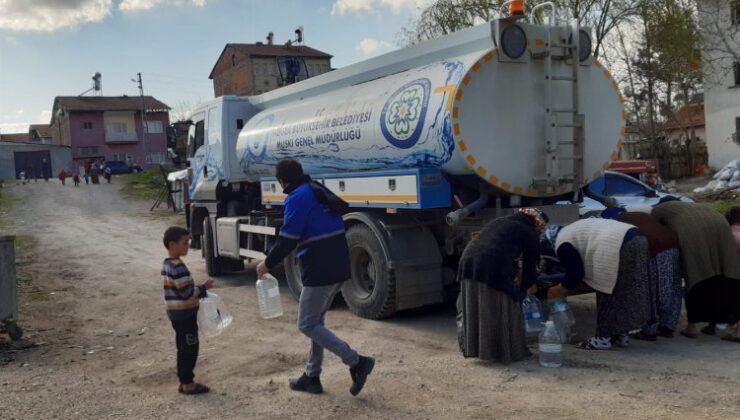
[(711, 264), (22, 176), (87, 167), (62, 176), (611, 258), (182, 299), (492, 286), (107, 174), (30, 174), (76, 179), (313, 224), (45, 169)]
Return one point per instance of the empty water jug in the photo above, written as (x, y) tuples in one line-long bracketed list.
[(213, 317), (268, 297)]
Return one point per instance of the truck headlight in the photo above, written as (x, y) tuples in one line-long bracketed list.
[(514, 41)]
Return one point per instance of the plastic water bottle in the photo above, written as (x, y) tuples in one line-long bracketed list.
[(533, 315), (268, 297), (563, 318), (550, 346), (213, 317)]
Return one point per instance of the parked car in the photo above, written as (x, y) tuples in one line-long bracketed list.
[(121, 167), (618, 189)]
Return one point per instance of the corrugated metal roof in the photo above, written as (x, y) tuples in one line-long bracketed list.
[(107, 103)]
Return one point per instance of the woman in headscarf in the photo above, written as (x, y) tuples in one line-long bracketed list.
[(665, 271), (612, 258), (710, 262), (493, 286)]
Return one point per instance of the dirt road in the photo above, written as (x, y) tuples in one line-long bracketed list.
[(107, 350)]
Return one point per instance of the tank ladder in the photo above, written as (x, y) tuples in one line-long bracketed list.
[(567, 117)]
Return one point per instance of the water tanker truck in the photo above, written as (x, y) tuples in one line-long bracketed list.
[(427, 144)]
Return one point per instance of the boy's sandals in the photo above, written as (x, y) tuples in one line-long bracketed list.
[(197, 389)]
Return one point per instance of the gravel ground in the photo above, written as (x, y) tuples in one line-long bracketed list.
[(92, 302)]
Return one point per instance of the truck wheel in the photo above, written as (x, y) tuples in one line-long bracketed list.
[(371, 292), (14, 331), (293, 275), (213, 266)]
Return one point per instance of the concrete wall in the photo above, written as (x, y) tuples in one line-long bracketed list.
[(61, 157), (721, 94)]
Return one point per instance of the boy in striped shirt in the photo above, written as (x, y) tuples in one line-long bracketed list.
[(181, 297)]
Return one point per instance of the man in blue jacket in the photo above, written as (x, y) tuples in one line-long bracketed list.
[(313, 223)]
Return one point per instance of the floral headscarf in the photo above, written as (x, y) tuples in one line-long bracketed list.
[(536, 216)]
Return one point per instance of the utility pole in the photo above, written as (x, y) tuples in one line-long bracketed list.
[(143, 116)]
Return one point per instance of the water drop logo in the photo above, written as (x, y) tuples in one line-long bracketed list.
[(259, 137), (402, 118)]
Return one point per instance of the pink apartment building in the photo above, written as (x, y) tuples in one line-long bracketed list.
[(110, 128)]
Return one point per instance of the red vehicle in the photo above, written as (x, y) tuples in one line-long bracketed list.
[(644, 170)]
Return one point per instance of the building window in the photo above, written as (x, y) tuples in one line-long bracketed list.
[(87, 151), (735, 12), (155, 158), (154, 127), (87, 125), (233, 60), (124, 157)]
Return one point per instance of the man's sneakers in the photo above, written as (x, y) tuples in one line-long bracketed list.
[(359, 373), (310, 384)]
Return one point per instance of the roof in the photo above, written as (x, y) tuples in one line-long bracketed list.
[(44, 130), (16, 137), (691, 115), (106, 103), (272, 51)]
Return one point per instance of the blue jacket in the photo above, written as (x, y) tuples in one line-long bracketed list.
[(318, 234)]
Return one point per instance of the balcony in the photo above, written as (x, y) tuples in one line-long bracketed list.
[(121, 138)]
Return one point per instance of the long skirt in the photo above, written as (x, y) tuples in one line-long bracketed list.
[(492, 324), (631, 304), (665, 274), (716, 299)]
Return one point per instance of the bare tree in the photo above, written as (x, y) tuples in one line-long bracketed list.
[(720, 35), (446, 16), (181, 111)]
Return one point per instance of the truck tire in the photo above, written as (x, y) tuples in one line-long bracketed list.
[(213, 263), (371, 292), (293, 275)]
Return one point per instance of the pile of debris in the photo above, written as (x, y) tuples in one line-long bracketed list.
[(727, 178)]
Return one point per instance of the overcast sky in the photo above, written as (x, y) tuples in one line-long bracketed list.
[(52, 48)]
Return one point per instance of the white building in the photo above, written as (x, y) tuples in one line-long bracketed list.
[(719, 23)]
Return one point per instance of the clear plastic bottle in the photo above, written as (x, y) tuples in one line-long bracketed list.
[(533, 315), (268, 297), (550, 346), (563, 318)]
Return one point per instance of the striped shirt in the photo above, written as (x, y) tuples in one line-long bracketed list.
[(181, 295)]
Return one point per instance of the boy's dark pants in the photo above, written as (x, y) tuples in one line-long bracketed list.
[(186, 337)]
